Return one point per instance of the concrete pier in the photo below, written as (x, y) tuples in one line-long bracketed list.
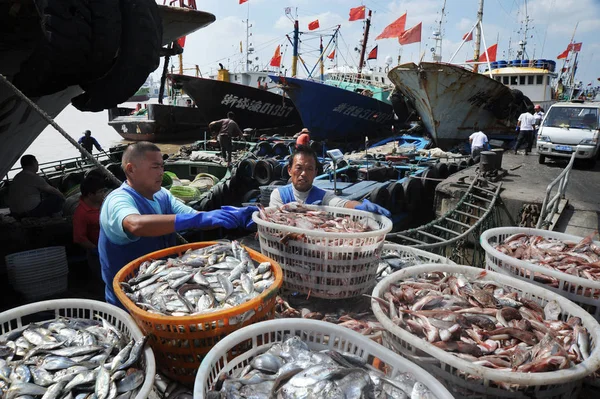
[(526, 184)]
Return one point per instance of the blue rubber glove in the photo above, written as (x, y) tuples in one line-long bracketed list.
[(242, 215), (374, 208), (205, 220)]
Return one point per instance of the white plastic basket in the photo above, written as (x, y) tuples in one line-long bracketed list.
[(467, 380), (584, 292), (327, 265), (38, 273), (84, 309), (319, 335), (414, 254)]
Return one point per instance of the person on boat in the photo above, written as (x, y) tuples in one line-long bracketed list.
[(86, 219), (142, 217), (479, 142), (302, 168), (88, 142), (226, 129), (303, 138), (30, 195), (525, 124)]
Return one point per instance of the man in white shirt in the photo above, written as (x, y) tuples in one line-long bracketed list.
[(525, 124), (479, 142), (26, 190)]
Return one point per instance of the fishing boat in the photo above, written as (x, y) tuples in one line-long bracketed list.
[(19, 125)]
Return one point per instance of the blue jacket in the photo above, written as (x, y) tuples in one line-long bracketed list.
[(316, 195), (113, 257)]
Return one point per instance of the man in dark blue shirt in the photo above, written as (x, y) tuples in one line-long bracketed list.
[(87, 141)]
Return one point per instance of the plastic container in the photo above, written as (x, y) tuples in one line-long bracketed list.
[(85, 309), (416, 255), (327, 265), (318, 335), (38, 273), (582, 291), (464, 378), (180, 343)]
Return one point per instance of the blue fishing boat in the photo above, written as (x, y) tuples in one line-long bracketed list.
[(332, 113)]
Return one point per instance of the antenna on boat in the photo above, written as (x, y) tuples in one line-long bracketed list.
[(437, 36), (522, 53), (248, 34), (363, 48)]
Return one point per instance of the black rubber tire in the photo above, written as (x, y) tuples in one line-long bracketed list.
[(442, 170), (541, 159), (264, 149), (139, 55), (463, 165), (413, 194), (452, 168), (278, 183), (317, 147), (216, 195), (280, 150), (291, 147), (263, 172), (471, 162), (251, 196), (115, 169), (396, 197), (106, 36), (245, 169), (380, 196), (285, 174), (429, 185), (63, 50)]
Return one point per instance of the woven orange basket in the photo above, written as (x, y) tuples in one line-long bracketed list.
[(180, 343)]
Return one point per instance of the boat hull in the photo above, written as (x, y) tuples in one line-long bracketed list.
[(162, 123), (454, 102), (336, 114), (253, 108)]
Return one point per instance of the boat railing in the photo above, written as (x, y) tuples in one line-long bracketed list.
[(353, 78), (182, 3), (550, 205)]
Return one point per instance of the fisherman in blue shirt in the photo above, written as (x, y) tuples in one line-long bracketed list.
[(88, 142), (302, 168), (142, 217)]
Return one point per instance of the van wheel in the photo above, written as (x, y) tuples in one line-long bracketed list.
[(541, 159)]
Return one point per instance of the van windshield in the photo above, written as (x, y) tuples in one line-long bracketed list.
[(572, 117)]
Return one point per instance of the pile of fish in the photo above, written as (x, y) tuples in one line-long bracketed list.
[(483, 322), (203, 280), (70, 358), (579, 259), (290, 370), (392, 260), (363, 322), (302, 217)]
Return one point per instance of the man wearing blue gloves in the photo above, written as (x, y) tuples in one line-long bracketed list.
[(142, 217), (302, 168)]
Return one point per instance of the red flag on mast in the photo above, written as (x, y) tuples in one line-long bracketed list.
[(394, 29), (332, 55), (243, 1), (357, 13), (276, 59), (562, 55), (467, 37), (313, 25), (181, 41), (373, 54), (413, 35), (491, 52)]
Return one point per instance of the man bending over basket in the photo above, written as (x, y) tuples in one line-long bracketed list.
[(142, 217), (302, 168)]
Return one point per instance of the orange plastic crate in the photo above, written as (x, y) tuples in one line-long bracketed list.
[(180, 343)]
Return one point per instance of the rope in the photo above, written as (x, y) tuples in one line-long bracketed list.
[(49, 119), (84, 152)]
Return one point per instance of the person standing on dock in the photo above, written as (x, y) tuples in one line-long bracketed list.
[(479, 142), (88, 142), (525, 125), (302, 168), (142, 217), (539, 117), (226, 129), (30, 195)]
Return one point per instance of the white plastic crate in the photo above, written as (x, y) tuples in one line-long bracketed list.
[(84, 309), (467, 380), (327, 265), (411, 254), (318, 335), (582, 291)]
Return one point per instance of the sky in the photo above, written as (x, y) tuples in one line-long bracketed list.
[(551, 26)]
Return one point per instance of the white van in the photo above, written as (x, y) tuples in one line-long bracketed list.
[(570, 127)]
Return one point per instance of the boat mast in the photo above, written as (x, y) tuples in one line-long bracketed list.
[(322, 63), (522, 53), (364, 44), (437, 36), (566, 62), (248, 26), (295, 49), (478, 35)]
